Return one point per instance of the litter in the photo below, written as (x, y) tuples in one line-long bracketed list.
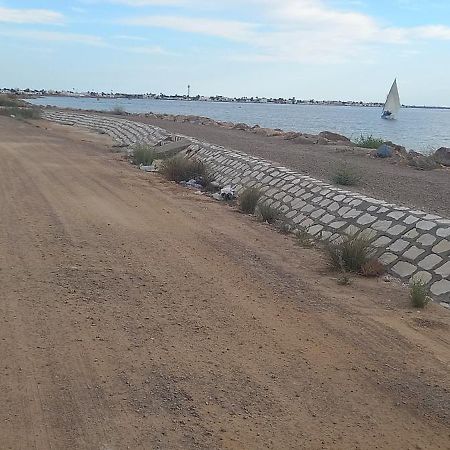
[(228, 192), (151, 168), (192, 184)]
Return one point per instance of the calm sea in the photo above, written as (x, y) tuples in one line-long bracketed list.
[(418, 129)]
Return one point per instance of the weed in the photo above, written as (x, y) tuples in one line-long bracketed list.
[(350, 253), (344, 279), (10, 101), (304, 239), (267, 213), (179, 169), (345, 176), (372, 268), (283, 225), (368, 141), (143, 154), (21, 113), (418, 293), (249, 199), (118, 111)]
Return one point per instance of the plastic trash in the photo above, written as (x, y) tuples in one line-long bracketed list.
[(228, 192), (384, 151), (191, 184), (150, 168)]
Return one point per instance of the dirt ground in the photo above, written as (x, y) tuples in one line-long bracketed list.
[(380, 178), (138, 314)]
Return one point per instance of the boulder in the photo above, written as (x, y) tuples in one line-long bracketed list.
[(241, 126), (421, 162), (289, 135), (268, 132), (442, 156), (334, 137), (304, 140)]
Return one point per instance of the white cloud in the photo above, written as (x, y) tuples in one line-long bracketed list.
[(55, 36), (34, 16), (297, 30), (232, 30)]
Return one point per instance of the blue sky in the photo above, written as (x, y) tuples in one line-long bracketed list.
[(322, 49)]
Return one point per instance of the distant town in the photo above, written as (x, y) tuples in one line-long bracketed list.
[(188, 97)]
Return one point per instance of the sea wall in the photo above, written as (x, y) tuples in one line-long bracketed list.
[(410, 243)]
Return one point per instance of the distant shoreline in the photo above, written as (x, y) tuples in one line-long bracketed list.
[(192, 99)]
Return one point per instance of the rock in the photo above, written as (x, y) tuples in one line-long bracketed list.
[(289, 135), (442, 156), (303, 140), (421, 162), (269, 132), (334, 137), (384, 151), (241, 126), (398, 150)]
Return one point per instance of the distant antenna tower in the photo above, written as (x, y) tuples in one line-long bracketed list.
[(189, 90)]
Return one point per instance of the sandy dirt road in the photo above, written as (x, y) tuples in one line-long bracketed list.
[(137, 314)]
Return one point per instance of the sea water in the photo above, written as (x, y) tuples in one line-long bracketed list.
[(418, 129)]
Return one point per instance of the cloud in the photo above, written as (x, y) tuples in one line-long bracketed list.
[(55, 36), (232, 30), (32, 16), (297, 30)]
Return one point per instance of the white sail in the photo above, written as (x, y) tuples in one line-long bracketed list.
[(392, 104)]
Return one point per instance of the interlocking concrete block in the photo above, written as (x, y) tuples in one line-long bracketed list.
[(440, 287), (424, 277), (443, 232), (425, 225), (398, 246), (404, 269), (382, 225), (327, 218), (430, 261), (427, 239), (338, 224), (366, 219), (397, 215), (444, 270), (442, 246), (388, 258), (396, 230), (413, 253), (382, 242), (315, 229)]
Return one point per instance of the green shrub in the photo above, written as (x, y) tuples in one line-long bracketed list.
[(267, 213), (350, 253), (345, 176), (304, 239), (283, 225), (368, 141), (10, 101), (118, 111), (249, 199), (143, 154), (179, 169), (344, 279), (418, 293)]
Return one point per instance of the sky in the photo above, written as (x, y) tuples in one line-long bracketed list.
[(308, 49)]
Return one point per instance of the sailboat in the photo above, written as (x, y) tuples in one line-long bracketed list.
[(392, 105)]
